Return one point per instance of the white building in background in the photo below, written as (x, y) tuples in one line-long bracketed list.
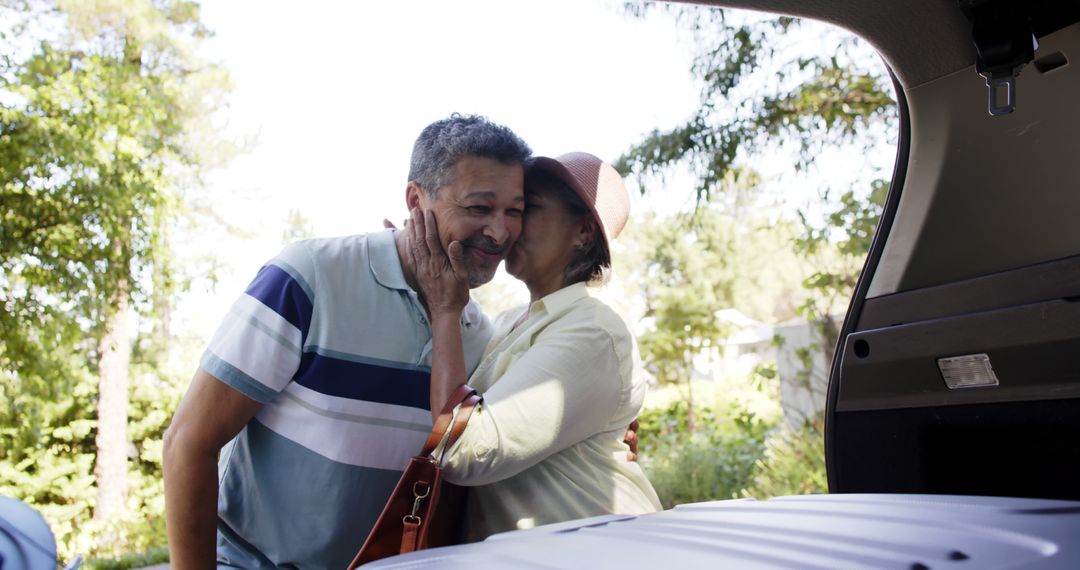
[(793, 346)]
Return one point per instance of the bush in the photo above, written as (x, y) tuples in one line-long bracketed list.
[(48, 463), (794, 463), (715, 461), (157, 555)]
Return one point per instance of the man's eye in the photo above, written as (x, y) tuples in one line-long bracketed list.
[(515, 212), (479, 209)]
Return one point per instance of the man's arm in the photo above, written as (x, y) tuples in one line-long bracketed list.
[(210, 415)]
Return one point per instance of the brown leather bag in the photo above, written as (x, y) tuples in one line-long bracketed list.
[(424, 511)]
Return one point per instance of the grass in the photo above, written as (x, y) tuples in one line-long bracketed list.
[(159, 555)]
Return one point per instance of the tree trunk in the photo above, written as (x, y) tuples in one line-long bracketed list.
[(110, 469), (162, 297), (691, 417)]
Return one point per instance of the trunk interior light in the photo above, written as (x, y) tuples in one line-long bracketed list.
[(968, 371)]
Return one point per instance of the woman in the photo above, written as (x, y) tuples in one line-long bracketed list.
[(546, 445)]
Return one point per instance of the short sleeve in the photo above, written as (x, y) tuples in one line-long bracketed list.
[(257, 347)]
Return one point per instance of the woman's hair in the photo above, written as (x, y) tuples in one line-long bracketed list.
[(592, 262)]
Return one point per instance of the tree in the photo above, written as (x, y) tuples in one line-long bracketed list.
[(297, 227), (764, 99), (762, 94), (689, 266), (104, 115), (838, 260), (685, 277)]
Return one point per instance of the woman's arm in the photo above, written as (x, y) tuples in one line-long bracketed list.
[(566, 388), (443, 284), (447, 359)]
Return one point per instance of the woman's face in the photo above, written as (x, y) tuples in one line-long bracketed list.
[(549, 237)]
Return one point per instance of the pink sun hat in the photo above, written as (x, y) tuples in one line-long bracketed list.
[(597, 183)]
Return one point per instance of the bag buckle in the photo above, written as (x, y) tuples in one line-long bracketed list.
[(421, 489)]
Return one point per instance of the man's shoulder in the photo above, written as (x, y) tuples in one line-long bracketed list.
[(315, 256), (330, 248)]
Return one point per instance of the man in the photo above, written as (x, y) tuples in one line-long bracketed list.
[(315, 388)]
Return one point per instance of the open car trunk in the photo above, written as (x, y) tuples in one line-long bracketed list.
[(953, 412), (958, 366)]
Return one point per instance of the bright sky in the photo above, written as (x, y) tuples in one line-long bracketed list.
[(337, 92)]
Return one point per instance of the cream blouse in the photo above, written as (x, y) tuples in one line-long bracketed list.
[(546, 444)]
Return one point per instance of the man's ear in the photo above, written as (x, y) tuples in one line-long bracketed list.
[(414, 196)]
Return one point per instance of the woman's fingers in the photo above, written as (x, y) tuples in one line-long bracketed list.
[(428, 253), (416, 235), (456, 253), (431, 232)]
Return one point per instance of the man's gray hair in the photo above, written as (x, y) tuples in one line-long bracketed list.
[(443, 143)]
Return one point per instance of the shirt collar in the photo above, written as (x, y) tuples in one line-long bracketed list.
[(384, 261), (385, 264), (558, 301)]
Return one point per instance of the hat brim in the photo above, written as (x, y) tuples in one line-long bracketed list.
[(552, 166)]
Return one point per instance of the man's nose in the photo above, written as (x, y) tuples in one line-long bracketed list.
[(498, 229)]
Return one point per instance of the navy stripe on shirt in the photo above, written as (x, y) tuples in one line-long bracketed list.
[(365, 381), (276, 289)]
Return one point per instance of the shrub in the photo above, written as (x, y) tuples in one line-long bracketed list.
[(794, 463), (48, 463), (153, 556), (715, 461)]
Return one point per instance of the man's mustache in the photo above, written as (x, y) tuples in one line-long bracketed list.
[(486, 244)]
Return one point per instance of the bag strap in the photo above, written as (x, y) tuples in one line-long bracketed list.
[(458, 397), (458, 424), (462, 419)]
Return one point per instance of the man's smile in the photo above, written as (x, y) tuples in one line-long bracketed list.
[(489, 255)]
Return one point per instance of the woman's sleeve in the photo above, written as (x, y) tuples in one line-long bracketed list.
[(561, 391)]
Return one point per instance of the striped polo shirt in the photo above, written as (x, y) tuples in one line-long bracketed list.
[(336, 345)]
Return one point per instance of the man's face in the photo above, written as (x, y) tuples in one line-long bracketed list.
[(481, 207)]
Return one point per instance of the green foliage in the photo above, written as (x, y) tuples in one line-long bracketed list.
[(760, 92), (104, 127), (53, 472), (150, 557), (794, 463), (732, 453), (97, 136), (688, 266), (838, 250), (715, 461), (297, 227), (685, 276), (763, 94), (769, 97), (845, 238)]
